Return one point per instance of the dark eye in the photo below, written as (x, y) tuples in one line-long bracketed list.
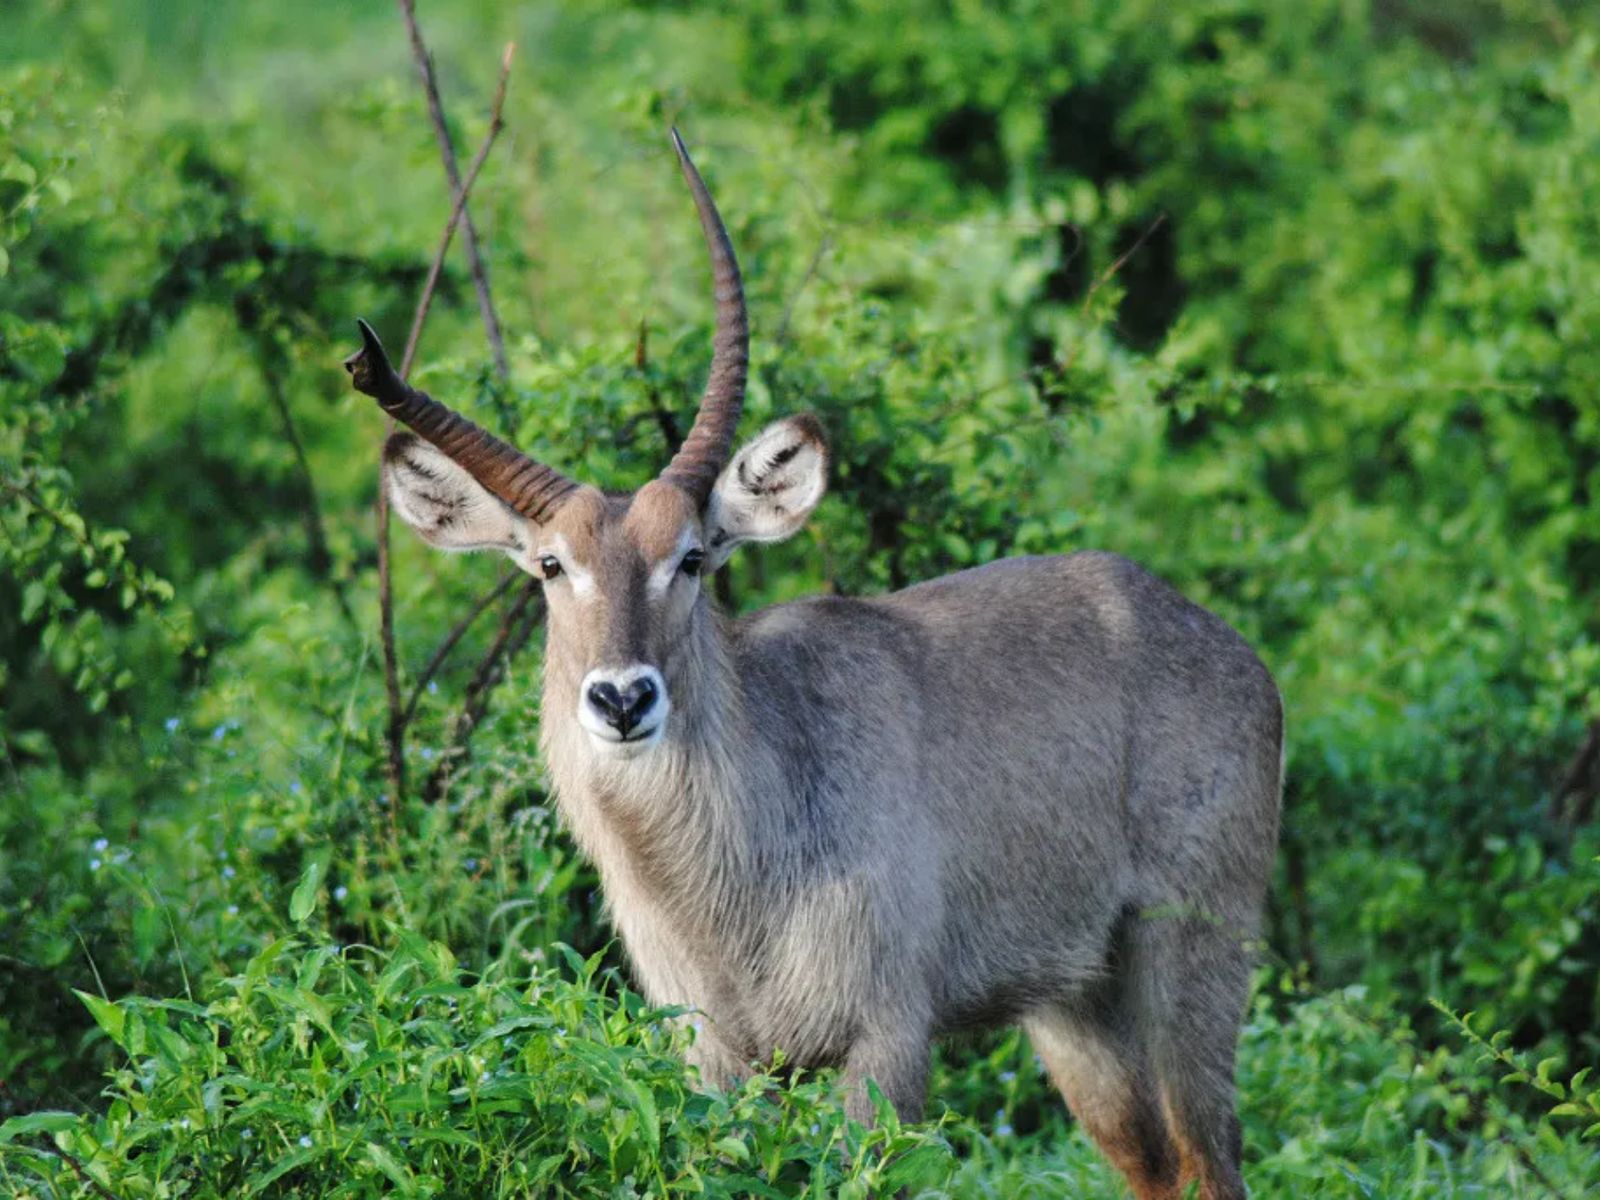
[(549, 566), (692, 562)]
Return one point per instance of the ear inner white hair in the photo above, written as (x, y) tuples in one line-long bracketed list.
[(769, 489), (445, 504)]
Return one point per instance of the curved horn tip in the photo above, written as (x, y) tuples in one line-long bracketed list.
[(684, 161), (369, 367)]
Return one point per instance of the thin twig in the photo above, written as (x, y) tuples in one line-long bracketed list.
[(1576, 782), (447, 153), (316, 531), (82, 1174), (442, 651), (1104, 278), (396, 732), (458, 209), (781, 338), (516, 627), (665, 421)]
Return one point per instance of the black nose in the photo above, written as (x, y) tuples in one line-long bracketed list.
[(623, 710)]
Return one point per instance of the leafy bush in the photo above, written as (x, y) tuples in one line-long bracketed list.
[(323, 1070), (1288, 301)]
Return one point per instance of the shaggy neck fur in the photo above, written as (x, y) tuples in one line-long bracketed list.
[(675, 826)]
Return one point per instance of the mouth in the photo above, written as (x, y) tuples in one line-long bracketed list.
[(636, 740)]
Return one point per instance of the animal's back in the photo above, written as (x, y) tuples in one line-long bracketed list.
[(1049, 743)]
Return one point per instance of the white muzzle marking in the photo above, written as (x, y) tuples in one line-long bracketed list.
[(623, 709)]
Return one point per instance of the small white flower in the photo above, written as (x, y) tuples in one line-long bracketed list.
[(101, 844), (227, 872), (340, 892), (305, 1140), (172, 724), (94, 864), (1002, 1131), (247, 1134), (233, 910), (433, 687), (1007, 1076)]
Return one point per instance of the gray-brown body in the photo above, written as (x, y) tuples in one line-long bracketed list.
[(1042, 791)]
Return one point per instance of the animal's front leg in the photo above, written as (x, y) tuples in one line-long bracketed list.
[(896, 1059)]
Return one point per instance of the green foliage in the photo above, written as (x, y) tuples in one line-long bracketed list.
[(1291, 302), (331, 1071)]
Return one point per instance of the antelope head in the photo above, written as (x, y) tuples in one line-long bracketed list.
[(629, 621)]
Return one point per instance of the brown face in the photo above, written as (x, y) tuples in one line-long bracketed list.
[(622, 582)]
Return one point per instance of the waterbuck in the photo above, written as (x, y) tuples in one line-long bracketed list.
[(1041, 791)]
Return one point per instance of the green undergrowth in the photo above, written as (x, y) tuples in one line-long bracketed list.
[(1292, 302)]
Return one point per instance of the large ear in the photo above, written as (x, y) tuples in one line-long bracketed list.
[(445, 504), (769, 489)]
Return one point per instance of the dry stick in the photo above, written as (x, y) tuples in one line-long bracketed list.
[(781, 338), (458, 209), (1105, 277), (665, 421), (1573, 782), (316, 531), (391, 671), (516, 627), (442, 651), (447, 152), (83, 1175)]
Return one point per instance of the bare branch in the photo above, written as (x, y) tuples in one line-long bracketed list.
[(311, 512), (396, 732), (442, 651), (781, 338), (516, 627), (457, 212), (447, 153), (1581, 781), (1104, 278)]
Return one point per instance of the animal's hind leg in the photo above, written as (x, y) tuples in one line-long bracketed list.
[(1194, 979), (1095, 1058)]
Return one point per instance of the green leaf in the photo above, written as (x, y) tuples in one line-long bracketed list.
[(280, 1168), (106, 1015), (39, 1122), (917, 1167), (399, 1174), (304, 898)]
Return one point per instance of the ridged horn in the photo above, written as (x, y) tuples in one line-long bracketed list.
[(701, 457), (527, 485)]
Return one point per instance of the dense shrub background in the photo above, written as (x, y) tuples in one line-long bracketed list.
[(1296, 303)]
